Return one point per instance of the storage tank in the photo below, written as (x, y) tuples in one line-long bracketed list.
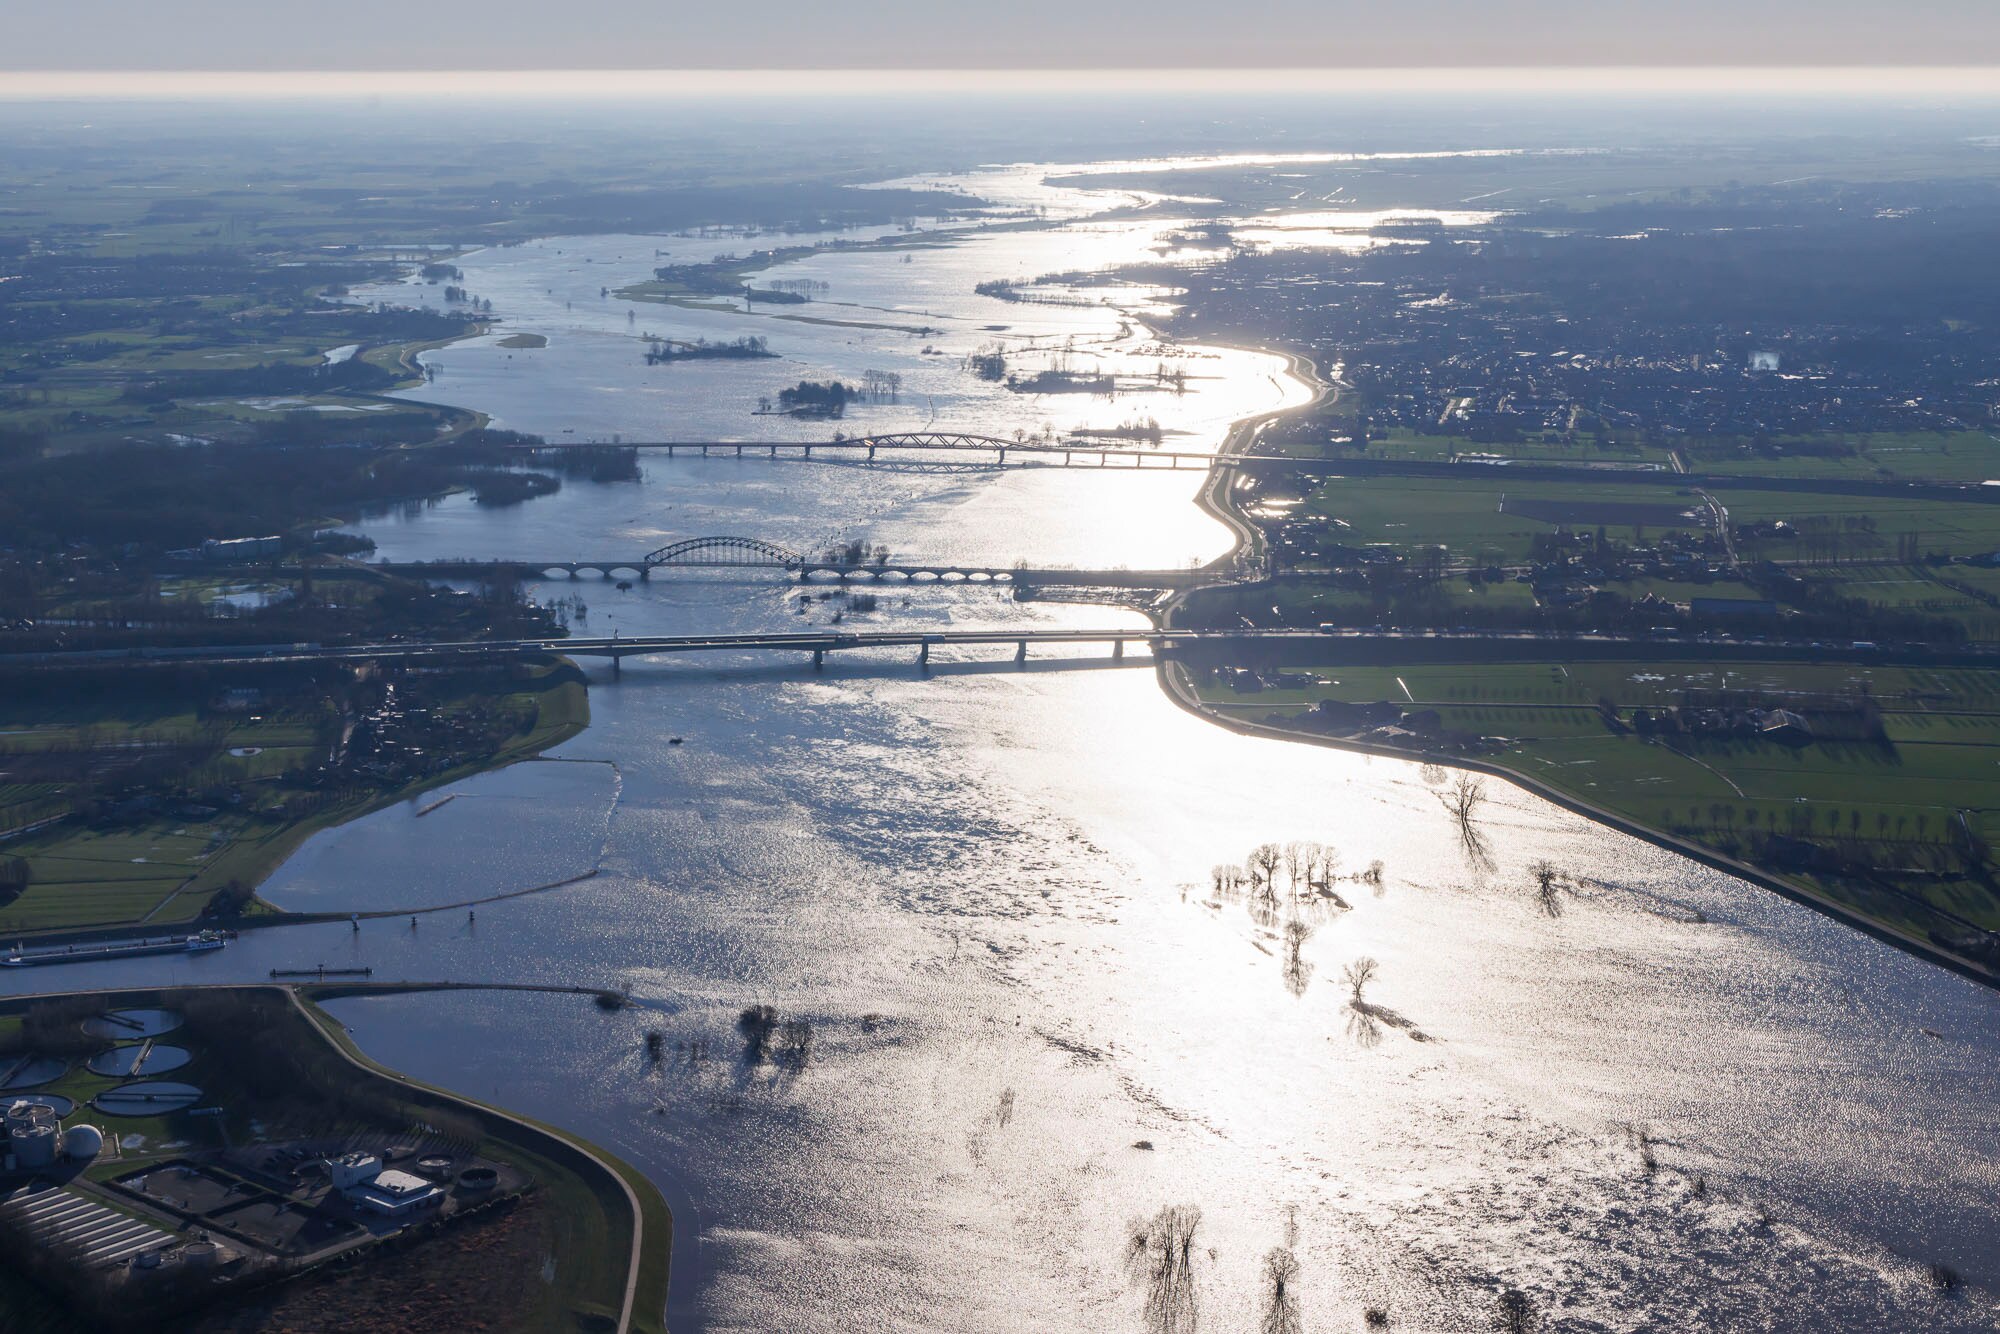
[(82, 1143), (28, 1112), (34, 1144)]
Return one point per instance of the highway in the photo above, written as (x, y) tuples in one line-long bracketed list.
[(1379, 644)]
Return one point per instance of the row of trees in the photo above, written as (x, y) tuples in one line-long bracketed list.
[(1302, 861)]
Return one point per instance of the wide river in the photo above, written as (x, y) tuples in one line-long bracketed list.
[(1684, 1104)]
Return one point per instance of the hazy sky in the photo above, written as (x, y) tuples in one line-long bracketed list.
[(729, 34)]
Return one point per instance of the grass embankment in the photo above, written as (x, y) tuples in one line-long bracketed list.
[(282, 1070), (166, 869), (1903, 803), (595, 1191)]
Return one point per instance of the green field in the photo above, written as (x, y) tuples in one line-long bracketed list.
[(1486, 519), (166, 868), (1901, 799), (1940, 456)]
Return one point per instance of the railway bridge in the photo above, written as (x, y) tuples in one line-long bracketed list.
[(753, 554), (1068, 453)]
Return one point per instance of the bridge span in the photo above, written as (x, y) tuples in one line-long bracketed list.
[(1072, 453), (644, 570), (1372, 645), (750, 553), (818, 643)]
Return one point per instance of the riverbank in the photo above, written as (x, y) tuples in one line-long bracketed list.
[(216, 862), (608, 1231), (1215, 498), (648, 1228)]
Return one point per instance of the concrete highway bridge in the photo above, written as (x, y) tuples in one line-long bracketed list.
[(1304, 645), (816, 642), (747, 553)]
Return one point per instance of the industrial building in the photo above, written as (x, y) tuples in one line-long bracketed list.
[(363, 1182)]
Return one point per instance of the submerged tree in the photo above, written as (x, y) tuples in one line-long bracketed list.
[(1464, 798), (1160, 1257), (1265, 859), (1281, 1298), (1358, 975), (1516, 1314), (758, 1024), (1548, 886), (1297, 970)]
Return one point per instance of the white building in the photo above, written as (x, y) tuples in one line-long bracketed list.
[(351, 1170), (363, 1182), (395, 1194)]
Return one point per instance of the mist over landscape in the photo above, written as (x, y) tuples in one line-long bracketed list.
[(676, 669)]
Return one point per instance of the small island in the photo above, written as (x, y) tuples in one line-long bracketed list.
[(660, 351)]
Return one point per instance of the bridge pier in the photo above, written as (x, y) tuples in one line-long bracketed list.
[(1003, 458), (871, 453), (1021, 653), (1117, 650), (617, 666), (670, 451), (923, 655), (645, 574), (819, 659)]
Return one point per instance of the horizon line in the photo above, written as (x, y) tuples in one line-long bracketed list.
[(1930, 82)]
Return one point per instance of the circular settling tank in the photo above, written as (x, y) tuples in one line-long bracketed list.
[(148, 1097), (128, 1025), (136, 1059)]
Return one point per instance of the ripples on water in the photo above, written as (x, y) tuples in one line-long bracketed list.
[(1685, 1103)]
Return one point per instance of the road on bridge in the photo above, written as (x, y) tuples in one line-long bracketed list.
[(1378, 644)]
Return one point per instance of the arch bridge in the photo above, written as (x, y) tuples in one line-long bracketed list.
[(725, 553), (1067, 452)]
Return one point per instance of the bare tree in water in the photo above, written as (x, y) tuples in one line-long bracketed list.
[(1464, 798), (1301, 856), (1281, 1293), (1548, 886), (1358, 975), (1265, 859), (1297, 971), (1160, 1256), (1516, 1314)]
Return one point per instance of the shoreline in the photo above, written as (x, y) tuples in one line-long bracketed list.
[(1172, 677), (567, 1153)]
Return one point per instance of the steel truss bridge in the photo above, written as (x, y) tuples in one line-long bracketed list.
[(1075, 453), (749, 553)]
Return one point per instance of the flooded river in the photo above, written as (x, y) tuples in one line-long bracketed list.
[(1684, 1104)]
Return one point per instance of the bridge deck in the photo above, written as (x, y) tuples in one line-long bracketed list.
[(905, 572), (1468, 646)]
